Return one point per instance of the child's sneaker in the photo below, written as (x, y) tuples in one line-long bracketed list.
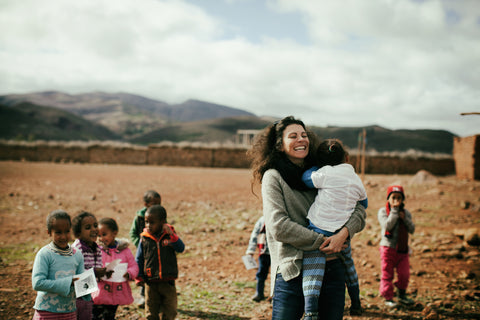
[(403, 299), (257, 297), (356, 311), (390, 304)]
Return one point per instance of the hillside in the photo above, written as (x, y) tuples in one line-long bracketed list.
[(126, 114), (27, 121), (139, 120)]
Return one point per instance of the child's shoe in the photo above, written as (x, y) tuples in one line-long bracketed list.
[(356, 311), (258, 297), (311, 316), (390, 304), (404, 299)]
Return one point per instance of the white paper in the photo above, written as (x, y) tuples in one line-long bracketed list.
[(86, 283), (119, 270), (250, 262), (111, 266)]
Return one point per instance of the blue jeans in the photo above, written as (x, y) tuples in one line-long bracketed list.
[(288, 301)]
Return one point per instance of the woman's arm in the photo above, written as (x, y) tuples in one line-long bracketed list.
[(355, 224), (283, 226)]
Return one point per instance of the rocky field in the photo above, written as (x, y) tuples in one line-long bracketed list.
[(214, 211)]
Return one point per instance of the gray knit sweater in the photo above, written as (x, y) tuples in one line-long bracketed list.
[(285, 210), (390, 223)]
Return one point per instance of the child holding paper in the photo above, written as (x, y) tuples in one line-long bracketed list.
[(54, 269), (116, 256), (85, 228)]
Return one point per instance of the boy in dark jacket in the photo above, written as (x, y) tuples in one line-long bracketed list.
[(157, 262)]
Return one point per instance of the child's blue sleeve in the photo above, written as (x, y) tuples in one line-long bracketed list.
[(178, 245), (140, 260), (307, 177), (364, 203)]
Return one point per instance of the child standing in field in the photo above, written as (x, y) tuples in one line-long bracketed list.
[(258, 240), (53, 271), (112, 294), (150, 198), (85, 228), (396, 223), (339, 190), (157, 261)]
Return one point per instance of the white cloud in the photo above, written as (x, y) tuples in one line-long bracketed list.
[(400, 64)]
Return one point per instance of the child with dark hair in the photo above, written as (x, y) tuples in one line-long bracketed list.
[(258, 239), (85, 228), (113, 293), (150, 198), (396, 223), (157, 261), (339, 190), (53, 271)]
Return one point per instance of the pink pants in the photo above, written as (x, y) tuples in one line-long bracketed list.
[(391, 260)]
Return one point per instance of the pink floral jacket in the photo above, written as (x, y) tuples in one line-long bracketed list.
[(116, 293)]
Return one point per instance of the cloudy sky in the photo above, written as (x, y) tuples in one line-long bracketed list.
[(407, 64)]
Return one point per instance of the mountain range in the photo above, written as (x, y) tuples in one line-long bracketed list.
[(132, 118)]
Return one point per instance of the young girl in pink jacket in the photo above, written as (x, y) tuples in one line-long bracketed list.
[(114, 290)]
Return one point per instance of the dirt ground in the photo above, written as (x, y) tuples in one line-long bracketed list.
[(214, 211)]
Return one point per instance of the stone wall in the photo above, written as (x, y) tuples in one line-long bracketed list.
[(466, 153), (194, 156)]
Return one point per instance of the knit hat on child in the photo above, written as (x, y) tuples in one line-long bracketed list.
[(395, 188)]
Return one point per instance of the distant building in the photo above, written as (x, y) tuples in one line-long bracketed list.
[(245, 137), (466, 153)]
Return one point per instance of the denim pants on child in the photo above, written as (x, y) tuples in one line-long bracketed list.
[(392, 260)]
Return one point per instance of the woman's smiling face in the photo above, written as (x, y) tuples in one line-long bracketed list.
[(295, 143)]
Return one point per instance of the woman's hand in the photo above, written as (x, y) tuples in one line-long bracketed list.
[(335, 243)]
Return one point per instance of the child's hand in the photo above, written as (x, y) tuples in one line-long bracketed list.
[(74, 279), (100, 272), (401, 214), (168, 229), (109, 273), (126, 276)]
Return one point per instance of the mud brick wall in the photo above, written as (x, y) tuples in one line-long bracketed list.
[(466, 152), (405, 165), (43, 152), (220, 157), (120, 155), (179, 156)]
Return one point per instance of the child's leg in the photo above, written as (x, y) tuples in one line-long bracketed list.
[(312, 278), (84, 309), (387, 255), (403, 271), (351, 278), (169, 305), (261, 276), (153, 301)]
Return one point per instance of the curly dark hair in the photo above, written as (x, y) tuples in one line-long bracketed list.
[(56, 215), (77, 222), (267, 147)]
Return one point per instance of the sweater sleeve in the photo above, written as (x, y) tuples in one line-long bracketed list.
[(140, 261), (279, 222), (252, 243), (132, 268), (40, 280), (134, 234), (356, 223), (409, 222)]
